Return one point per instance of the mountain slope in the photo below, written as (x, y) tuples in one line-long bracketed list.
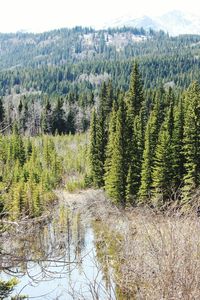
[(174, 22)]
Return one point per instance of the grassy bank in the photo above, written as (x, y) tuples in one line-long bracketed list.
[(152, 255)]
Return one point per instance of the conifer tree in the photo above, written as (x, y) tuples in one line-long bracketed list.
[(191, 140), (146, 170), (162, 169), (135, 132), (133, 159), (102, 128), (71, 126), (135, 95), (2, 114), (170, 112), (117, 175), (96, 164), (177, 145), (111, 142), (110, 97), (18, 150), (150, 143), (58, 118)]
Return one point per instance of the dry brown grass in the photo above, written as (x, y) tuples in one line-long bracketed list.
[(161, 257), (158, 256)]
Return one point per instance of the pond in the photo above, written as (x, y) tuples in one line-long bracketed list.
[(62, 259)]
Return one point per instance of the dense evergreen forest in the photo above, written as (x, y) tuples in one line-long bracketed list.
[(51, 81), (146, 150)]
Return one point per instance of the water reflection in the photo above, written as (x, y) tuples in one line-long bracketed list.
[(65, 258), (53, 261)]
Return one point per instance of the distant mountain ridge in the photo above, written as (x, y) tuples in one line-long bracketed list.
[(174, 22)]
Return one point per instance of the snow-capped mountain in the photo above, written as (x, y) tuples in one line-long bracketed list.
[(173, 22)]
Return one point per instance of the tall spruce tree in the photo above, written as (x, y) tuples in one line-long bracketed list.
[(150, 142), (59, 118), (135, 95), (116, 178), (111, 142), (104, 110), (135, 133), (133, 161), (177, 146), (96, 164), (191, 140), (146, 170), (170, 112), (162, 169)]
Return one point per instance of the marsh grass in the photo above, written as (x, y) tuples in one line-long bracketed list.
[(74, 156), (153, 255)]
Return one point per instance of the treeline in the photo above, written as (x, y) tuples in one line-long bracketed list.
[(29, 171), (40, 114), (145, 147)]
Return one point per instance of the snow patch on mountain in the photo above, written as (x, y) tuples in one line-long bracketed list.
[(174, 22)]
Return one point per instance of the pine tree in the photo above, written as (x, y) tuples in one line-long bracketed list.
[(146, 170), (58, 118), (177, 146), (117, 175), (150, 142), (71, 126), (135, 133), (170, 112), (191, 140), (111, 142), (135, 95), (2, 114), (162, 169), (96, 164), (102, 128), (109, 97)]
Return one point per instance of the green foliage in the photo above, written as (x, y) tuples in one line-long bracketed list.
[(116, 177), (110, 145), (134, 97), (177, 145), (58, 118), (29, 173), (95, 147), (6, 287), (191, 140), (153, 150), (162, 170), (48, 162), (146, 168)]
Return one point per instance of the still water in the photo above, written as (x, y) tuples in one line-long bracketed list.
[(61, 260)]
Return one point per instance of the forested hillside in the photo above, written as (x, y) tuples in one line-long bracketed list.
[(57, 75), (51, 62)]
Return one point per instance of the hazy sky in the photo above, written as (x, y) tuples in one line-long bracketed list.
[(41, 15)]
